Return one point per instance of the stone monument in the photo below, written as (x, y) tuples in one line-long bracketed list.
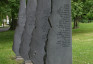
[(39, 35), (59, 45), (29, 26), (20, 27)]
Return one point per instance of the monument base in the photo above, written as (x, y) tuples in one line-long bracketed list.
[(28, 62), (19, 58)]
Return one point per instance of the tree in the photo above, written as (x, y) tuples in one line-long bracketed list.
[(14, 5), (10, 8), (4, 10), (77, 11), (88, 10)]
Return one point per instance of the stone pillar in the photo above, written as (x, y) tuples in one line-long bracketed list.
[(20, 27), (59, 45), (29, 26), (39, 36)]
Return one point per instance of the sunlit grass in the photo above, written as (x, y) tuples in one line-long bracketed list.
[(82, 39), (6, 54)]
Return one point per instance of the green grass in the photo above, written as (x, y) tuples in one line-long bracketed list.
[(82, 39), (82, 43), (6, 54)]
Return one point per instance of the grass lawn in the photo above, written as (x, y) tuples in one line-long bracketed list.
[(6, 54), (82, 39)]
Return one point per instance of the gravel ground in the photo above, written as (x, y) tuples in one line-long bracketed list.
[(4, 29)]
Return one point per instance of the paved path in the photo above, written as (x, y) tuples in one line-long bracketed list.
[(4, 29)]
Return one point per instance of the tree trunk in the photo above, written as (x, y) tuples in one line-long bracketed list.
[(76, 23), (13, 22), (2, 20)]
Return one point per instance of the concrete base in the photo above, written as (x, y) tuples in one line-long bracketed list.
[(19, 58), (28, 62)]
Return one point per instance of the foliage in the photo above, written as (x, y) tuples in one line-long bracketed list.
[(14, 5), (10, 8), (82, 8), (77, 9), (89, 12), (82, 11), (4, 10)]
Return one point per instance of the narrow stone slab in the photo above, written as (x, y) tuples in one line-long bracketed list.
[(19, 58), (29, 26), (59, 45), (20, 27), (39, 37), (28, 62)]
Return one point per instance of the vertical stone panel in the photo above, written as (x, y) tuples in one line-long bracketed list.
[(39, 37), (29, 26), (59, 45), (20, 27)]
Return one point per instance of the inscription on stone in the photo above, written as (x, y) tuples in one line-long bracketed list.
[(63, 35)]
